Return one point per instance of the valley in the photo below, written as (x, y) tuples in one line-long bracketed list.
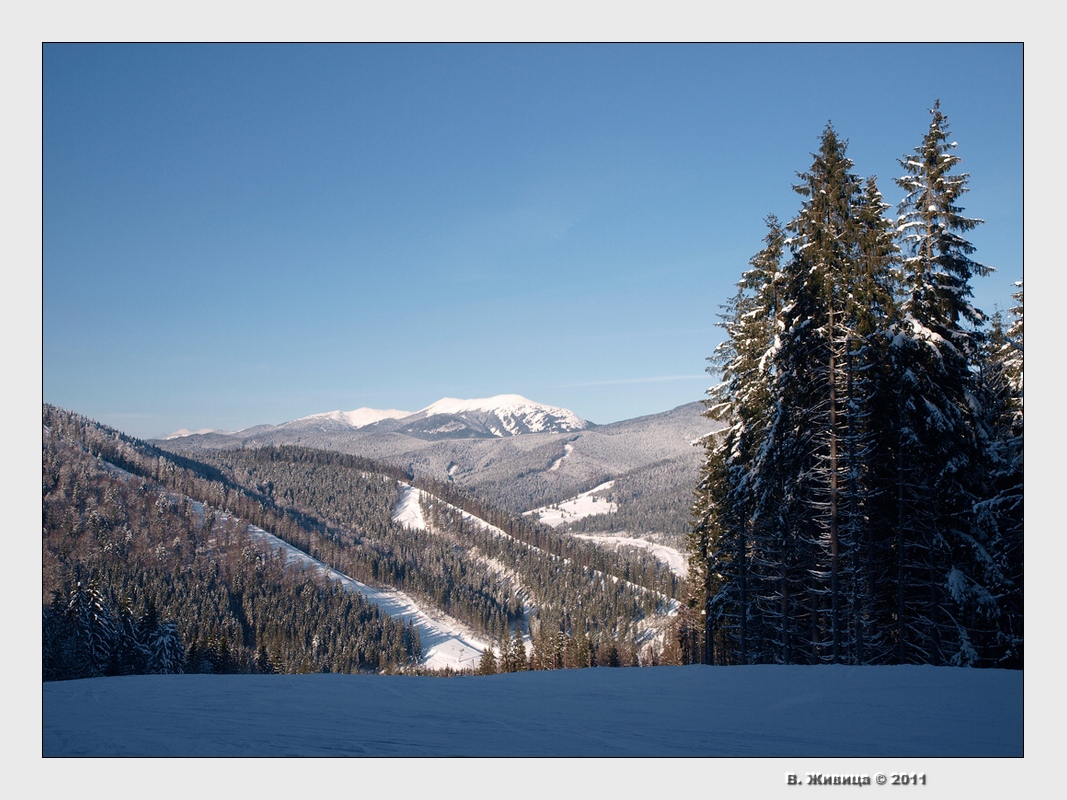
[(409, 521), (542, 456)]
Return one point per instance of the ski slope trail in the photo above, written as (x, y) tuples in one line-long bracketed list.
[(446, 642)]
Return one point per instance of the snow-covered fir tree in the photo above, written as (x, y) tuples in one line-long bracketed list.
[(860, 507), (944, 565), (721, 543)]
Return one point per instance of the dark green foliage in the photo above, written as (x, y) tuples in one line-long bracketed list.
[(113, 539), (174, 532), (487, 663), (865, 503), (85, 638)]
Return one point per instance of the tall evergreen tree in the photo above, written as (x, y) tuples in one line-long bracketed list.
[(999, 514), (935, 348), (721, 542), (812, 415), (94, 628), (864, 503), (487, 663)]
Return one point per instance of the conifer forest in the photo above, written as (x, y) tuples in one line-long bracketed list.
[(864, 504)]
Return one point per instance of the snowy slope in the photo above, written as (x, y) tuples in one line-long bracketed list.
[(590, 503), (661, 711), (584, 505), (515, 413), (360, 417), (501, 416), (183, 432), (446, 642), (409, 512), (672, 557)]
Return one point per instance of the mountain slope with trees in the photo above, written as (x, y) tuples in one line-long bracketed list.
[(140, 578), (515, 472), (151, 532)]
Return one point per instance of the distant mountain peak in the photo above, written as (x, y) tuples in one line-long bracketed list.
[(360, 417), (501, 415), (183, 432), (500, 402)]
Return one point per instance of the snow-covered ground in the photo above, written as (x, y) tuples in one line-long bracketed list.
[(408, 511), (584, 505), (785, 712), (567, 450)]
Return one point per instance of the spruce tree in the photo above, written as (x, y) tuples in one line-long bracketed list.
[(806, 458), (487, 665), (864, 504), (94, 631), (999, 513), (942, 568), (721, 544)]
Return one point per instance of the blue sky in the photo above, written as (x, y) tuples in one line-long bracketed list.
[(235, 235)]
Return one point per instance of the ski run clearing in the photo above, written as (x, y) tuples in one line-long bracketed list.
[(446, 642), (408, 512), (584, 505), (589, 503)]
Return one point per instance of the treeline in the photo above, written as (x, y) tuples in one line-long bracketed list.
[(82, 637), (555, 648), (864, 505), (122, 544)]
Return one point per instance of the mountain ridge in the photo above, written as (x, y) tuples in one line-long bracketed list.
[(500, 416), (656, 456)]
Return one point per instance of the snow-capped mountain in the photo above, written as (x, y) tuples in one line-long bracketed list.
[(499, 416), (477, 445), (359, 418), (451, 418), (182, 432)]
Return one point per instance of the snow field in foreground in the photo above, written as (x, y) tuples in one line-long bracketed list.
[(763, 711)]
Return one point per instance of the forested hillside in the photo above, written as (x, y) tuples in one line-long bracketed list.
[(652, 501), (148, 535), (127, 558), (520, 472), (443, 565), (864, 505)]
